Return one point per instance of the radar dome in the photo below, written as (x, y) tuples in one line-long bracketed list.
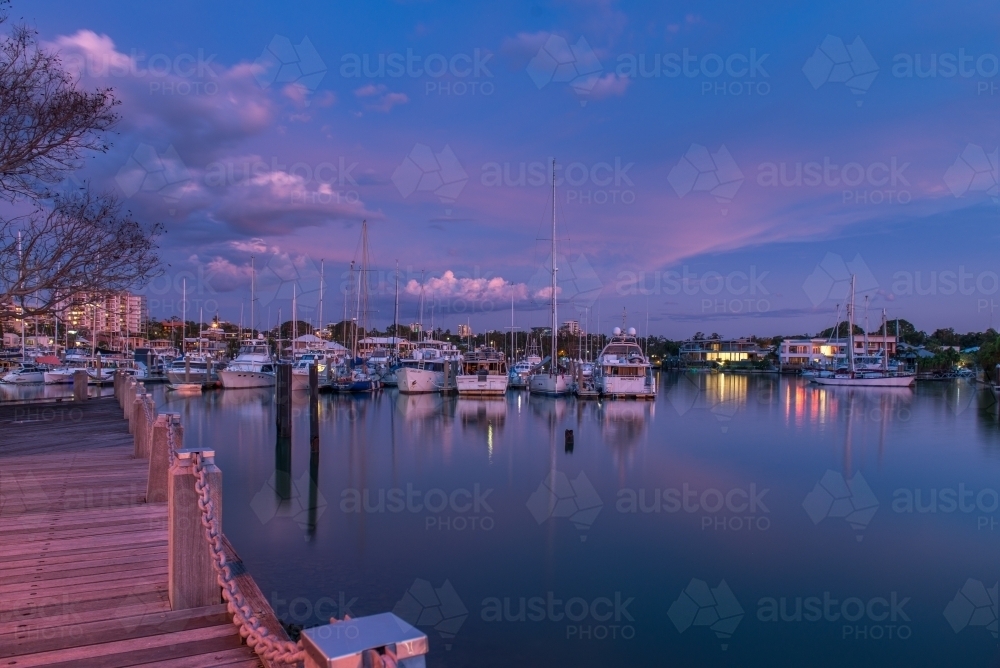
[(617, 331), (631, 331)]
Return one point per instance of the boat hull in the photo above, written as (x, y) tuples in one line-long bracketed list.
[(481, 386), (194, 388), (300, 381), (419, 381), (617, 387), (356, 386), (241, 380), (24, 378), (180, 378), (58, 377), (552, 386), (880, 381)]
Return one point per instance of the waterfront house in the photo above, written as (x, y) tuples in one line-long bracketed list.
[(707, 352)]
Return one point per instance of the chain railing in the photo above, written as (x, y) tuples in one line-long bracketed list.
[(257, 638), (171, 444)]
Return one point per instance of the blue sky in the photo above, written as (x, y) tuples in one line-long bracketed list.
[(677, 131)]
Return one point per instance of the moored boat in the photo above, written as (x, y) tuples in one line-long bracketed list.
[(24, 373), (253, 367), (622, 370), (483, 373)]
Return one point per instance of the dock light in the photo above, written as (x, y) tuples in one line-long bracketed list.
[(343, 644)]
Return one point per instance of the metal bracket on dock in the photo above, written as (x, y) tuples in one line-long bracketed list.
[(342, 645)]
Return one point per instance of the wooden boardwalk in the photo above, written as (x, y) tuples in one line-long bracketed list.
[(83, 558)]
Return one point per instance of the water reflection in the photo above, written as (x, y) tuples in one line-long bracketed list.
[(709, 433)]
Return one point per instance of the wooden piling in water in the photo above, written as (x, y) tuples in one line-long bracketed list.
[(191, 578), (313, 407), (283, 400)]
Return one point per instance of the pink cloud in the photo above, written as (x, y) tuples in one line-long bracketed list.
[(449, 286)]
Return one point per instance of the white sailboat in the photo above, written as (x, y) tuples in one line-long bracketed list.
[(553, 382), (853, 376), (254, 366)]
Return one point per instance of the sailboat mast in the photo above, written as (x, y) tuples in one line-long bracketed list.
[(201, 321), (320, 328), (395, 315), (184, 303), (420, 336), (555, 337), (295, 320), (850, 330), (885, 344), (253, 281)]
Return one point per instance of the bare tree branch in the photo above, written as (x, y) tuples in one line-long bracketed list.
[(47, 123), (66, 243), (85, 243)]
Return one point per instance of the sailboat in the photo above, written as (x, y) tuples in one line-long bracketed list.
[(254, 366), (554, 381), (853, 376), (359, 375)]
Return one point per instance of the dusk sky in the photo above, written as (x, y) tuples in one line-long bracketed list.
[(722, 168)]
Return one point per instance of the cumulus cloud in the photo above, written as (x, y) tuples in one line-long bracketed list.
[(184, 99), (450, 286), (381, 99)]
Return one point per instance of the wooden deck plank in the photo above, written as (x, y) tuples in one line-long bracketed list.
[(83, 568)]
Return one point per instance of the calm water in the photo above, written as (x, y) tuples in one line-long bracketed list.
[(738, 520)]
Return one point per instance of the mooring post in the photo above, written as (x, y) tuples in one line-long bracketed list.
[(133, 416), (80, 385), (313, 407), (191, 579), (135, 424), (159, 460), (283, 400)]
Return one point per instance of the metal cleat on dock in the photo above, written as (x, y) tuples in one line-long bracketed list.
[(379, 640)]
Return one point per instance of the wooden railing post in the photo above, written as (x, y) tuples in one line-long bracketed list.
[(135, 424), (80, 385), (191, 579), (159, 461)]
